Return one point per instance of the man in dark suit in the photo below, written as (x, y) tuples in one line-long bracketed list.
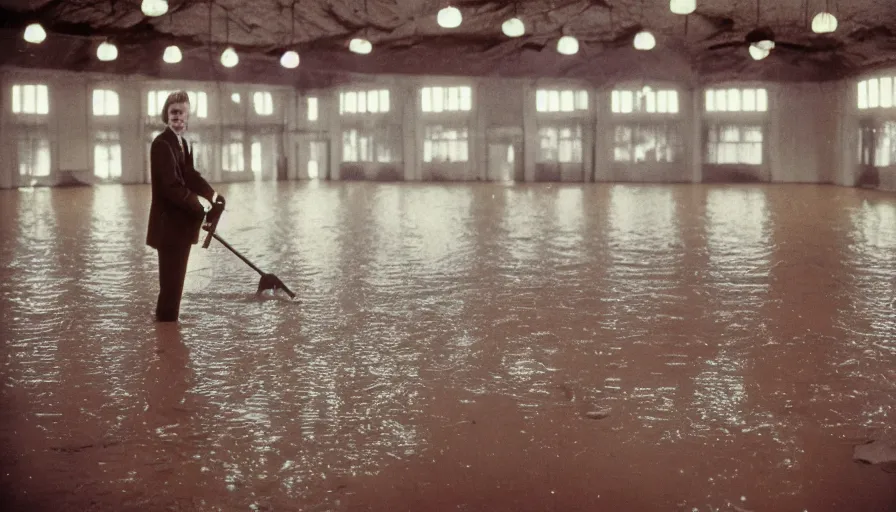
[(175, 214)]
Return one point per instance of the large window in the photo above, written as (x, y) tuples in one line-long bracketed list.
[(736, 100), (445, 144), (734, 144), (658, 142), (105, 103), (646, 100), (107, 155), (155, 100), (561, 144), (549, 100), (446, 99), (312, 108), (30, 99), (364, 102), (877, 93)]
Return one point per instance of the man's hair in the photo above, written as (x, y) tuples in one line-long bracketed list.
[(174, 97)]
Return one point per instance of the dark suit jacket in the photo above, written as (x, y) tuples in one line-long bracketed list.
[(175, 214)]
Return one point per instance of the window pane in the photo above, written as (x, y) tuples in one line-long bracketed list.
[(652, 103), (541, 100), (709, 101), (426, 99), (453, 99), (43, 100), (886, 92), (733, 100), (749, 100), (567, 101), (362, 101), (673, 102), (466, 98), (438, 99), (721, 101), (553, 101), (312, 109), (582, 100), (29, 103), (384, 100), (863, 94), (627, 101), (873, 93), (351, 102), (616, 102), (761, 100)]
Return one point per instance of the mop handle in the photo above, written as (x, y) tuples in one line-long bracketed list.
[(234, 251)]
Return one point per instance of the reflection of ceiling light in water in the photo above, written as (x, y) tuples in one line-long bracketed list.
[(757, 52), (229, 58), (106, 51), (568, 45), (824, 23), (513, 27), (35, 33), (172, 55), (682, 6), (290, 60), (154, 7), (449, 17), (644, 40), (361, 46)]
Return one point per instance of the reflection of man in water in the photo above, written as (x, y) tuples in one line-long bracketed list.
[(176, 214)]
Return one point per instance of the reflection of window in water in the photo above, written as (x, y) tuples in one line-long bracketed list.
[(107, 155), (734, 144), (560, 144), (445, 144), (647, 143)]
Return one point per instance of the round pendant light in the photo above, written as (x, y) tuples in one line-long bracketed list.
[(154, 7), (290, 60), (683, 7), (449, 17), (758, 53), (644, 41), (568, 45), (824, 23), (513, 27), (229, 58), (35, 33), (360, 45), (172, 55), (106, 51)]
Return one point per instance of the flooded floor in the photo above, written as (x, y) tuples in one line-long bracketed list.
[(472, 347)]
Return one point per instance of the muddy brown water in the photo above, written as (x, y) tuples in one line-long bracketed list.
[(449, 345)]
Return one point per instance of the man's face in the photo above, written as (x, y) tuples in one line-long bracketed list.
[(178, 115)]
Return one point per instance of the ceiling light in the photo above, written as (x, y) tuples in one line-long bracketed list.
[(757, 52), (229, 58), (513, 27), (683, 7), (568, 45), (290, 60), (172, 55), (765, 45), (106, 51), (154, 7), (235, 97), (361, 46), (449, 17), (35, 33), (823, 23), (644, 40)]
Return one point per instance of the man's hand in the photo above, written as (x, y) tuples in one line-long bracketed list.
[(212, 217)]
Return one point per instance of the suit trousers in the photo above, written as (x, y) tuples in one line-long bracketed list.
[(173, 261)]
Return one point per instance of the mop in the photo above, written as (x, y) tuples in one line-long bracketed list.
[(267, 281)]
